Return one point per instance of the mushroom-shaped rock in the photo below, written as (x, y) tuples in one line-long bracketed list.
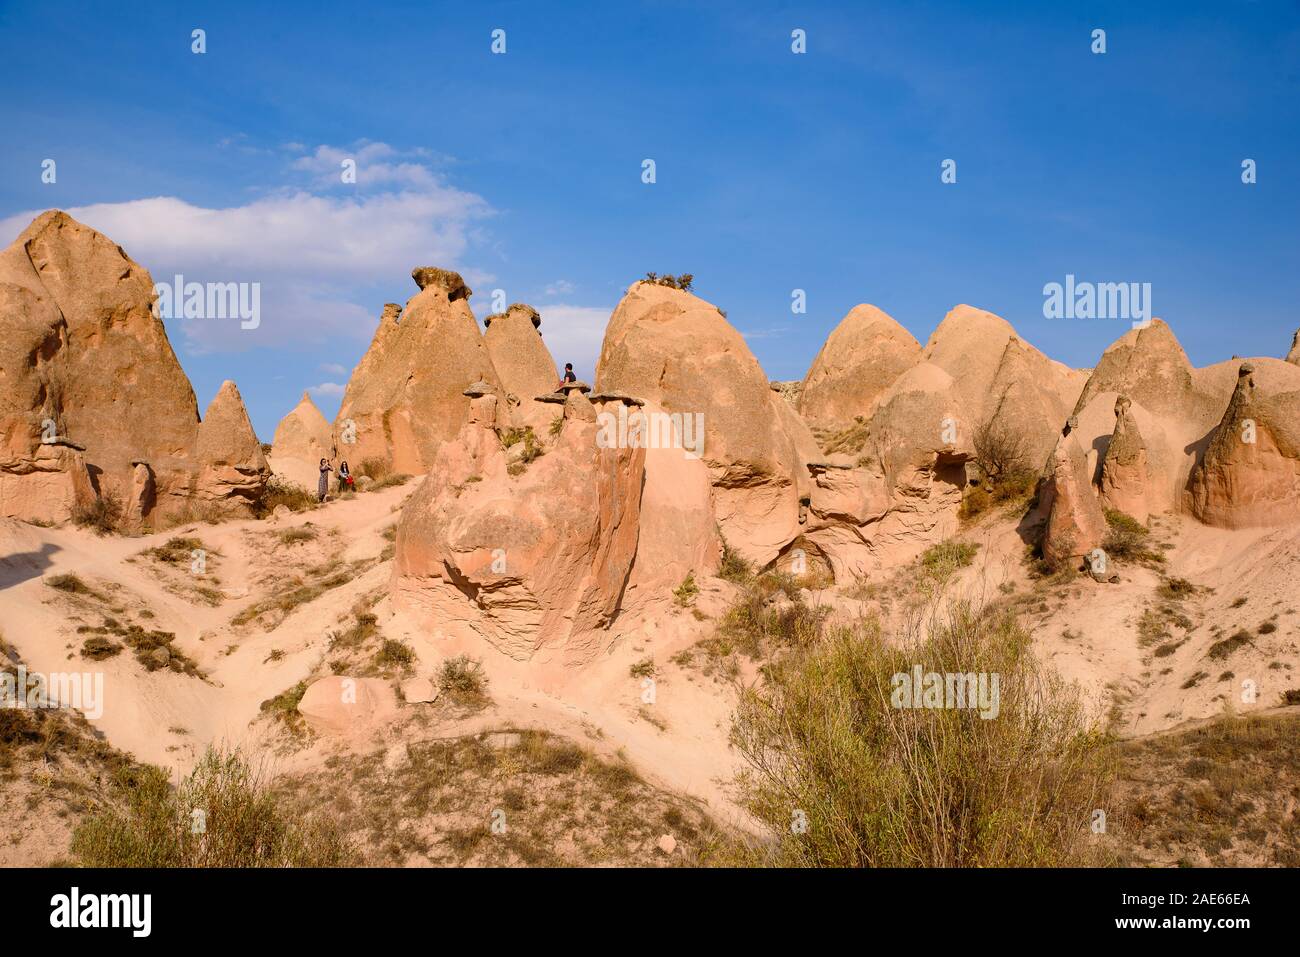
[(449, 282), (621, 397), (577, 385), (518, 308), (479, 389)]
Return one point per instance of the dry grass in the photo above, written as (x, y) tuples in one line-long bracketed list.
[(541, 801), (103, 515), (462, 680), (223, 814), (1126, 540), (1223, 795), (291, 495), (299, 590), (878, 785), (154, 649)]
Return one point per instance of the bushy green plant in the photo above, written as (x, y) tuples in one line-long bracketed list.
[(222, 814), (885, 786)]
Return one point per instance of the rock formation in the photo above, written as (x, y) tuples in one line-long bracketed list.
[(405, 396), (94, 393), (233, 470), (1294, 355), (1250, 474), (678, 353), (859, 361), (531, 561), (1125, 470), (523, 364), (302, 439), (1178, 410), (996, 374), (1075, 523)]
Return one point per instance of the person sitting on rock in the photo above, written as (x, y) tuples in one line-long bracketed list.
[(323, 486), (345, 478), (567, 377)]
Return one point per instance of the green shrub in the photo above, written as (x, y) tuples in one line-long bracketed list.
[(885, 786), (394, 653), (462, 677), (1012, 491), (1126, 537), (734, 567), (645, 668), (72, 584), (1228, 646), (770, 614), (388, 481), (279, 491), (942, 560), (176, 550), (238, 823), (376, 468), (97, 648), (103, 515), (684, 281), (684, 594)]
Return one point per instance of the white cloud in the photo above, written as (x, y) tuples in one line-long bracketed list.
[(304, 249), (377, 164), (333, 368), (574, 334), (327, 388), (561, 287)]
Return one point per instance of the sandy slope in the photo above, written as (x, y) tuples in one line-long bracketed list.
[(167, 718), (1087, 630)]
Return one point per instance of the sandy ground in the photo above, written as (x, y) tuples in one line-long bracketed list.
[(1090, 632), (678, 741)]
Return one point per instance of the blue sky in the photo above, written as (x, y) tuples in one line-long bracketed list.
[(775, 171)]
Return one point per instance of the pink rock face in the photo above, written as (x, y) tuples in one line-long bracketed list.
[(678, 532), (998, 375), (302, 439), (341, 704), (1075, 522), (524, 364), (86, 359), (405, 397), (532, 562), (233, 470), (123, 394), (860, 359), (47, 486), (1250, 475), (678, 352), (1126, 483)]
